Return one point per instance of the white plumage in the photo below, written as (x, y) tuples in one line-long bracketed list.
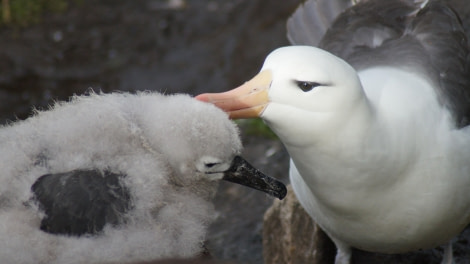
[(376, 125), (168, 153)]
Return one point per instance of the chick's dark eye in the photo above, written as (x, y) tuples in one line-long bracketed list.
[(210, 165), (306, 86)]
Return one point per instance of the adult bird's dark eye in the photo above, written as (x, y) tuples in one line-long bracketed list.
[(306, 86)]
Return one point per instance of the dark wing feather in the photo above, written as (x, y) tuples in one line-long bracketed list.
[(463, 9), (366, 25), (311, 20), (81, 201), (440, 32)]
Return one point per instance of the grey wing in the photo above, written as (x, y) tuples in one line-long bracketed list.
[(439, 30), (462, 7), (81, 201), (311, 20)]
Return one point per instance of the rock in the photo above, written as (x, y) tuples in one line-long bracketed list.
[(291, 236), (184, 261)]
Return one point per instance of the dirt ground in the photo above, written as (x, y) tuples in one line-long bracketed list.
[(191, 46)]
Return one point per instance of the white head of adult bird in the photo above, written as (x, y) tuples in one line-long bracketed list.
[(375, 122), (116, 178)]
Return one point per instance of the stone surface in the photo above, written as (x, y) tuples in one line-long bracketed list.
[(182, 261), (291, 236)]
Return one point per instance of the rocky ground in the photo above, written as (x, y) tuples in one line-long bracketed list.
[(172, 46)]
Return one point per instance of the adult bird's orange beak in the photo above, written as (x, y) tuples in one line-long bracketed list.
[(246, 101)]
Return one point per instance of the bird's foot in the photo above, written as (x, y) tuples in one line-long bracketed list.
[(343, 255), (448, 255)]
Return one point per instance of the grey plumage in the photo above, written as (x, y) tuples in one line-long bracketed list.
[(314, 19), (112, 177)]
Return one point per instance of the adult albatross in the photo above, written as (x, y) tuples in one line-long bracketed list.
[(116, 178), (375, 120)]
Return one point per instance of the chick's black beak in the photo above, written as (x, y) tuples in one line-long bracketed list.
[(244, 173)]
